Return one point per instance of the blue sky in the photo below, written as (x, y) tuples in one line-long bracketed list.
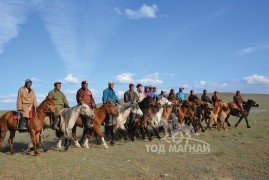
[(209, 44)]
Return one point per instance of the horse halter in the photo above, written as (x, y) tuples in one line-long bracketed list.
[(50, 108)]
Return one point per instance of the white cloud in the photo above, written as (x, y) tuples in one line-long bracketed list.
[(117, 10), (12, 15), (257, 79), (120, 93), (202, 83), (124, 78), (145, 11), (35, 79), (70, 79), (248, 50)]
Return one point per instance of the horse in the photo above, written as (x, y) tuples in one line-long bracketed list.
[(36, 123), (68, 120), (99, 116), (149, 109), (247, 107), (120, 125)]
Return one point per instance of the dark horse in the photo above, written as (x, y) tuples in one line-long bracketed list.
[(149, 108), (36, 124), (247, 107)]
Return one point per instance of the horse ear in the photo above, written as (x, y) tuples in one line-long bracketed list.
[(108, 102)]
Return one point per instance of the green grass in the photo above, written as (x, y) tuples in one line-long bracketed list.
[(235, 154)]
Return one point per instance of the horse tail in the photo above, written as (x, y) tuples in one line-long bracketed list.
[(59, 133)]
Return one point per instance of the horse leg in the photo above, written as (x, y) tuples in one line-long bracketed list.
[(156, 132), (67, 143), (217, 124), (112, 135), (42, 143), (84, 140), (99, 133), (2, 137), (246, 119), (147, 131), (10, 141), (226, 120), (74, 135), (238, 122), (33, 137)]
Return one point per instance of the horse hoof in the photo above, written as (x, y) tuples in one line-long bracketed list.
[(37, 154), (12, 152), (248, 126), (65, 148), (77, 144), (112, 143), (45, 150), (235, 126), (106, 146), (85, 146)]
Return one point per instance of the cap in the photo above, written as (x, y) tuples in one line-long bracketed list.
[(146, 87), (181, 88), (163, 90), (130, 85), (151, 87), (110, 82), (216, 92), (204, 90), (28, 80), (84, 82), (57, 83), (138, 85), (237, 91), (154, 87)]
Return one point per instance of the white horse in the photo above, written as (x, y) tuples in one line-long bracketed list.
[(68, 120), (125, 109), (164, 102)]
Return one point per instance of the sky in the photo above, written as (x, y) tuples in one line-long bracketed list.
[(208, 44)]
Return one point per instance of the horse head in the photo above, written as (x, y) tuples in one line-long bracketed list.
[(48, 105), (111, 108), (85, 110), (252, 103)]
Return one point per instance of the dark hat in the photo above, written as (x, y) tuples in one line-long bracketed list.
[(237, 91), (216, 92), (204, 90), (154, 87), (138, 85), (28, 80), (84, 82), (146, 87), (163, 91), (181, 88), (130, 85), (57, 83)]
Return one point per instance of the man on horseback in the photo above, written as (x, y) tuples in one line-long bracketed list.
[(215, 96), (109, 94), (162, 93), (26, 100), (205, 97), (130, 96), (146, 91), (60, 102), (238, 100), (181, 95), (192, 96), (139, 93), (85, 95)]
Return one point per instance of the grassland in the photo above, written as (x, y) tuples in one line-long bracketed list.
[(234, 154)]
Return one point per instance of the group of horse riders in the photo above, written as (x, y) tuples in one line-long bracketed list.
[(26, 100)]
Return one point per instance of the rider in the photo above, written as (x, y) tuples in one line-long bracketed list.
[(172, 94), (109, 94), (139, 93), (154, 94), (146, 91), (192, 96), (205, 97), (215, 97), (130, 96), (26, 100), (85, 95), (60, 102), (162, 93), (181, 95), (238, 100)]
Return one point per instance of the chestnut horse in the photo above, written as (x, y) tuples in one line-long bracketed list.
[(36, 124), (247, 107), (99, 116)]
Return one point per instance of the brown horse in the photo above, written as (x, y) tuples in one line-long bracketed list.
[(234, 111), (36, 124), (99, 116)]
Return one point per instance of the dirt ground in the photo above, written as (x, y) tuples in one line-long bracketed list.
[(235, 153)]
